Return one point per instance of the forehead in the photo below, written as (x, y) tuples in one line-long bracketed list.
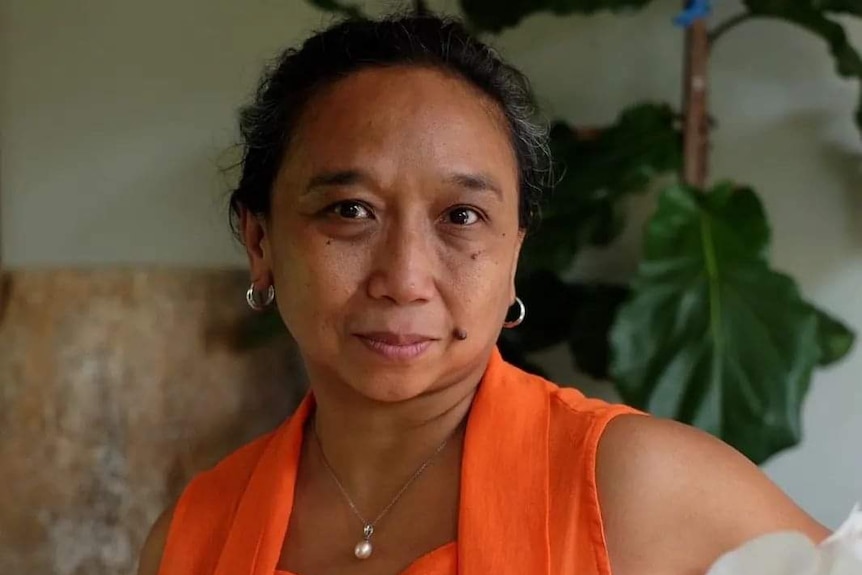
[(404, 116)]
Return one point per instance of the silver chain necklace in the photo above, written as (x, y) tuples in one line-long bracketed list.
[(363, 549)]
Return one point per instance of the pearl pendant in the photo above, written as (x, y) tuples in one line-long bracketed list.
[(363, 549)]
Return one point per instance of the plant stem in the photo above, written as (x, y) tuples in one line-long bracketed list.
[(695, 111), (729, 25)]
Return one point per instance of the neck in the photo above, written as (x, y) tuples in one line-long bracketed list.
[(373, 447)]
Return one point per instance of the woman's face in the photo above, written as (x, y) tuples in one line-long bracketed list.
[(394, 222)]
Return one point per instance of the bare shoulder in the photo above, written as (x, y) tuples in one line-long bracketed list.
[(154, 546), (674, 498)]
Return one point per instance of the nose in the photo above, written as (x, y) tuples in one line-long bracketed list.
[(403, 270)]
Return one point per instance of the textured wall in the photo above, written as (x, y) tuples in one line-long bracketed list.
[(115, 387)]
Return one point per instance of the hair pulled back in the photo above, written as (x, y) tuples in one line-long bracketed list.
[(269, 121)]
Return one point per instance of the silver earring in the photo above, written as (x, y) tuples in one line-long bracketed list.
[(522, 313), (251, 297)]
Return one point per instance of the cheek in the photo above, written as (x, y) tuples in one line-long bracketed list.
[(480, 281), (315, 279)]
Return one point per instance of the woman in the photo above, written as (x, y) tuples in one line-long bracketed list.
[(391, 171)]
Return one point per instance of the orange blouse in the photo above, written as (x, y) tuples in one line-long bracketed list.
[(441, 561), (529, 503)]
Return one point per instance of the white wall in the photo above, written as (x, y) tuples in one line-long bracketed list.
[(115, 114), (114, 117)]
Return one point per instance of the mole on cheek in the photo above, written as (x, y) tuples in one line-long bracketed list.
[(475, 255)]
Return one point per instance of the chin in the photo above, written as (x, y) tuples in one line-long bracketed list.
[(394, 388), (378, 373), (391, 374)]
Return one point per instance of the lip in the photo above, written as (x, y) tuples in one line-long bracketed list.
[(396, 346)]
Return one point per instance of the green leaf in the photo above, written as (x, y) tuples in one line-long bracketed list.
[(580, 314), (496, 15), (599, 169), (348, 10), (852, 7), (713, 336), (811, 15), (514, 354), (834, 338), (549, 302), (595, 308)]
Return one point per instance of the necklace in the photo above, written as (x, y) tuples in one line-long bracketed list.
[(364, 548)]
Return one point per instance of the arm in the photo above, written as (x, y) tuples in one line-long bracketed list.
[(674, 498), (154, 546)]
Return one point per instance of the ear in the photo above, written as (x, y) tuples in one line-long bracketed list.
[(255, 237), (517, 254)]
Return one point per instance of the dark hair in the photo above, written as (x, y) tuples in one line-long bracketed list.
[(267, 123)]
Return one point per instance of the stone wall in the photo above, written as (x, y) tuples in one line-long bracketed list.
[(116, 386)]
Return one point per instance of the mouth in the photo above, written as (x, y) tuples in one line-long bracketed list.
[(396, 346)]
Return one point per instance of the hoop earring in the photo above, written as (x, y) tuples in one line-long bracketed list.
[(251, 297), (522, 313)]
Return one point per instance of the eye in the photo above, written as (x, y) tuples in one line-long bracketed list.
[(463, 216), (350, 210)]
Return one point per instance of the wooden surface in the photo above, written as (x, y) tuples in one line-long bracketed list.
[(116, 386)]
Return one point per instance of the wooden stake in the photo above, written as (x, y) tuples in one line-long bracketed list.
[(5, 279), (695, 105)]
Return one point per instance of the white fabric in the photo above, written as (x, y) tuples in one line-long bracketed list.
[(789, 553)]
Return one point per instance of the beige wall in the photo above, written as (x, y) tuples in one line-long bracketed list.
[(115, 114), (117, 386)]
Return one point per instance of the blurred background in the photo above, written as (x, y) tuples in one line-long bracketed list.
[(122, 314)]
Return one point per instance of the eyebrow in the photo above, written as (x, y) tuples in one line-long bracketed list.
[(471, 181), (477, 181), (334, 178)]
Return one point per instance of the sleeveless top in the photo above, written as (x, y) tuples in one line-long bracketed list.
[(529, 503)]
